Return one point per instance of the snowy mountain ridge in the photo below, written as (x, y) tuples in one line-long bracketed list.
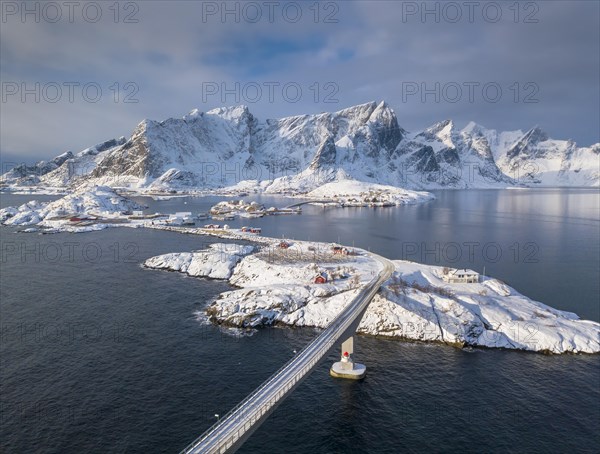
[(230, 148)]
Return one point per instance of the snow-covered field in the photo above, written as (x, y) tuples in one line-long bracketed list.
[(278, 286)]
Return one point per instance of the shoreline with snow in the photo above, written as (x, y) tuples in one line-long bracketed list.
[(249, 190), (277, 287), (103, 206), (276, 282), (332, 191)]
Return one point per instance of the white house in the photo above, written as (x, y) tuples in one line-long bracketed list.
[(462, 276)]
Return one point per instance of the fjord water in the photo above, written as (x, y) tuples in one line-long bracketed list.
[(100, 355)]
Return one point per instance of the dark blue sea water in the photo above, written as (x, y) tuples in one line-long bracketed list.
[(100, 355)]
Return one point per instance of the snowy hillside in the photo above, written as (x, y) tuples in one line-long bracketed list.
[(63, 169), (534, 158), (230, 148)]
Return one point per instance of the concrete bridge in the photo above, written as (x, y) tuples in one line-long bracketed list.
[(306, 202), (229, 433)]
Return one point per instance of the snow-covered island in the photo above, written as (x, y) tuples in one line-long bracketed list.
[(97, 207), (342, 193), (238, 208), (229, 209), (352, 193), (308, 284), (98, 202)]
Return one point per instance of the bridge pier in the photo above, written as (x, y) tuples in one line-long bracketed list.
[(346, 367)]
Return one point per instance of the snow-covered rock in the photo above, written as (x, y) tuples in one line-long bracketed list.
[(216, 262), (294, 305), (415, 304)]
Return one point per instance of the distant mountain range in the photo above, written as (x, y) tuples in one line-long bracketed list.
[(229, 147)]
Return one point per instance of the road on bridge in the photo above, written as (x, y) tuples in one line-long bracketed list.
[(229, 433), (310, 201)]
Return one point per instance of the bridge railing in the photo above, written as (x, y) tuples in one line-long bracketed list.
[(250, 414), (317, 355)]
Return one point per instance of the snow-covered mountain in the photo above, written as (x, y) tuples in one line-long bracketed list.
[(62, 170), (534, 158), (229, 147)]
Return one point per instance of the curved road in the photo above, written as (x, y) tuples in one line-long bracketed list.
[(228, 434)]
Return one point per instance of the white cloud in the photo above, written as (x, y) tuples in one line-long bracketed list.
[(369, 53)]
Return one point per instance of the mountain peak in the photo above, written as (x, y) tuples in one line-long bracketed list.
[(360, 111), (230, 112), (363, 142), (383, 109), (473, 128), (526, 147), (443, 127), (535, 135), (193, 115), (442, 131)]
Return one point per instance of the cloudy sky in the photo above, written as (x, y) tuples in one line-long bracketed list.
[(76, 74)]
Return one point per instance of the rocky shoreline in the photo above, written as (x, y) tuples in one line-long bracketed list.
[(415, 304)]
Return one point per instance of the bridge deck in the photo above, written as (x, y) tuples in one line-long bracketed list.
[(294, 205), (228, 434)]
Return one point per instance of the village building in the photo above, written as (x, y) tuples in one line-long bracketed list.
[(79, 218), (341, 250), (461, 276), (321, 278)]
